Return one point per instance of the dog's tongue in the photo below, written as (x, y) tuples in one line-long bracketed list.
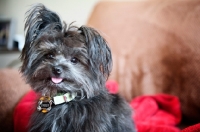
[(56, 80)]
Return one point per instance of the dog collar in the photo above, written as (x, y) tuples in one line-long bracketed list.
[(45, 102), (59, 99)]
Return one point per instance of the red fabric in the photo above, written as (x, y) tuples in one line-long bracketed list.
[(194, 128), (112, 86), (23, 111), (158, 113)]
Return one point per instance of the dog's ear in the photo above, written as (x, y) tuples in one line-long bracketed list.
[(38, 20), (100, 57)]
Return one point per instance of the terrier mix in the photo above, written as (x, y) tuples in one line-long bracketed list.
[(68, 67)]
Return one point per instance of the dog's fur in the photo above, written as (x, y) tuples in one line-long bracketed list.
[(83, 59)]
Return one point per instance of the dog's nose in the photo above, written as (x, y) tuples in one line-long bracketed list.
[(57, 70)]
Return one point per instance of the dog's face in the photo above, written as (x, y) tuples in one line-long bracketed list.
[(59, 59)]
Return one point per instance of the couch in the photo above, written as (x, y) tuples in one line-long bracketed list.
[(155, 46), (12, 89)]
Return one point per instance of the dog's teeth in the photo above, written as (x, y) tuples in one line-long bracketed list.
[(56, 80)]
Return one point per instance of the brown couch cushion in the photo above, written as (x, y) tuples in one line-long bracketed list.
[(12, 89), (155, 46)]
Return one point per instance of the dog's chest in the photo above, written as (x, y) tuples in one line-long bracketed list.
[(75, 116)]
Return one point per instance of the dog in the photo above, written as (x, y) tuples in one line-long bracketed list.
[(68, 67)]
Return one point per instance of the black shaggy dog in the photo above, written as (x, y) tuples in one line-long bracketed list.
[(68, 67)]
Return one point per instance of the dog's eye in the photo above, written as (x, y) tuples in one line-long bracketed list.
[(49, 56), (74, 60)]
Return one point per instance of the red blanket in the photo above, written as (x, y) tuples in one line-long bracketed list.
[(158, 113), (194, 128)]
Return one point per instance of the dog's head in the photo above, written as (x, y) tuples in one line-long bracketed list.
[(60, 58)]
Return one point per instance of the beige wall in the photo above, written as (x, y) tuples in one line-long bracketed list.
[(69, 10)]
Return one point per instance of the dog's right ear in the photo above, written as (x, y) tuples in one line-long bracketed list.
[(38, 20)]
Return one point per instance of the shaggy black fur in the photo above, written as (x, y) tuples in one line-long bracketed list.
[(82, 59)]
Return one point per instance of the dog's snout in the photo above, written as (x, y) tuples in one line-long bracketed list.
[(57, 70)]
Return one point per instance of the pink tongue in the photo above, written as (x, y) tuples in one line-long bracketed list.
[(56, 80)]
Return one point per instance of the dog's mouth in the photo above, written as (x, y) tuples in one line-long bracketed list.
[(59, 80), (56, 84), (56, 80)]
